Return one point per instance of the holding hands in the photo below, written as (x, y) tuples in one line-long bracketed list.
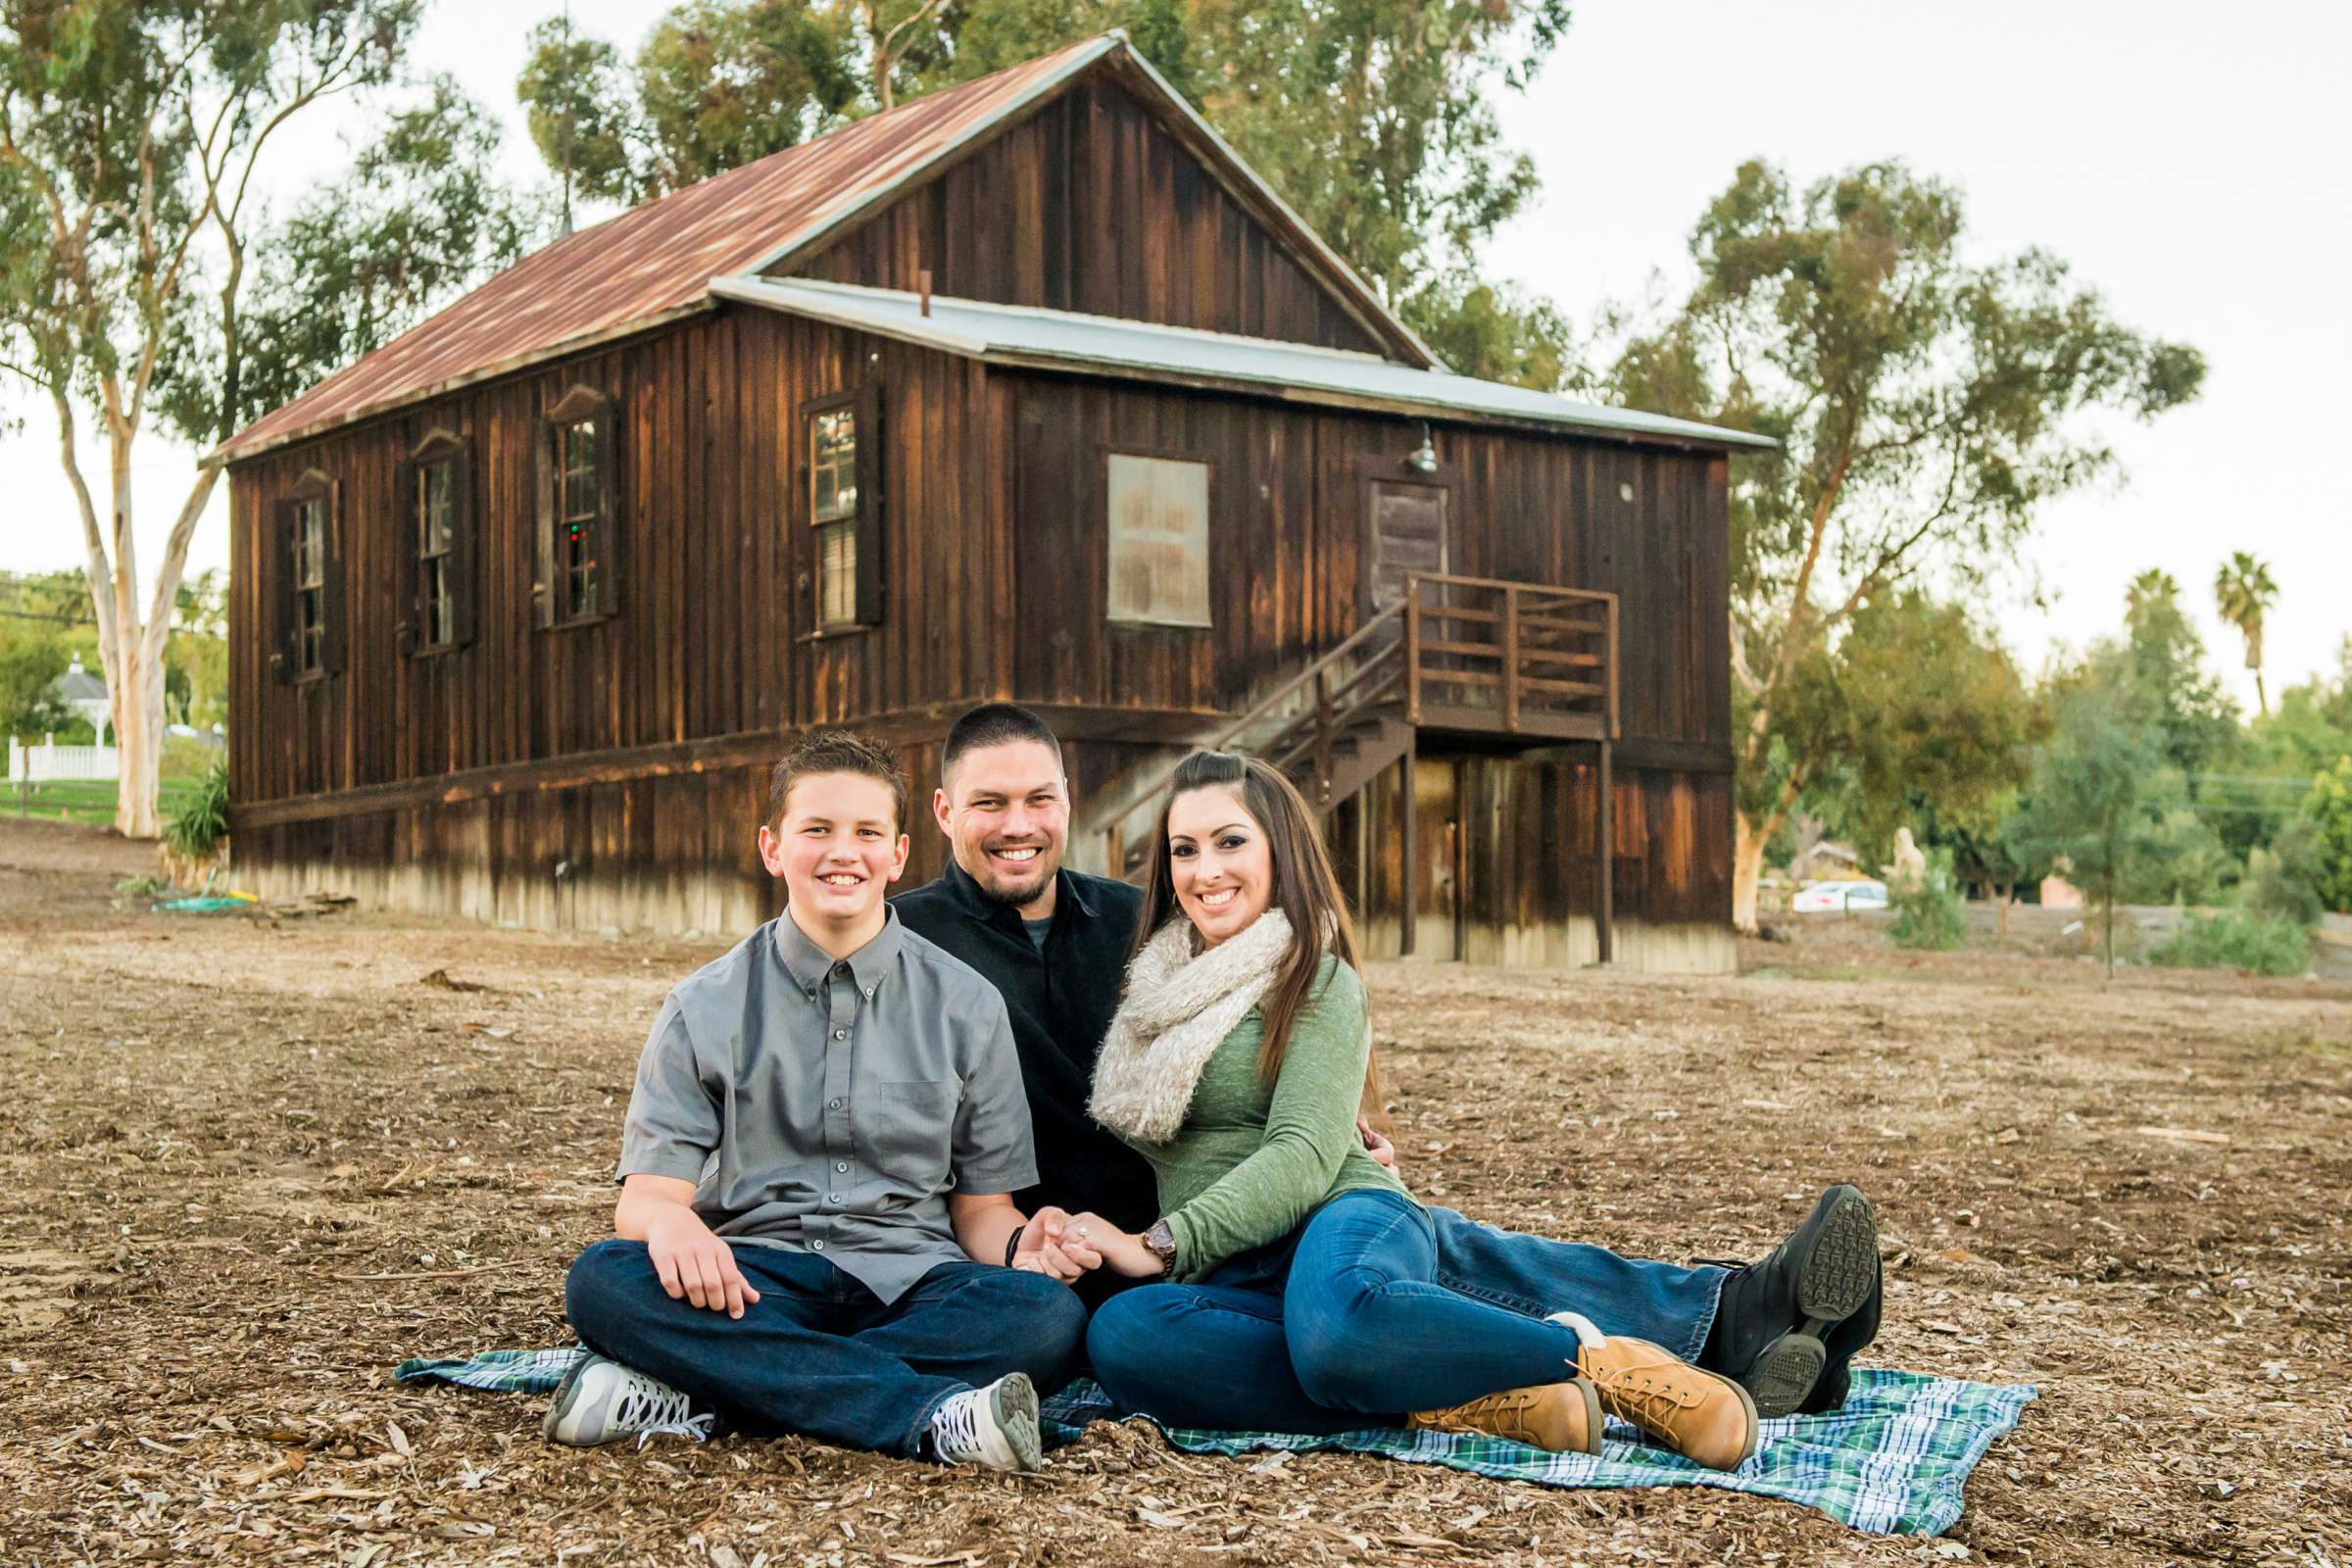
[(1066, 1245)]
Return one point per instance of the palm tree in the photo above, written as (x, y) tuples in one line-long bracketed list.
[(2242, 591), (2152, 589)]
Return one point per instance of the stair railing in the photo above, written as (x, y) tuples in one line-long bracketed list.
[(1315, 677)]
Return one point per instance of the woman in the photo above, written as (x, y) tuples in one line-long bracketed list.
[(1301, 1294)]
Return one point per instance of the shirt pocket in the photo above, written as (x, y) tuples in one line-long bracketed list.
[(912, 1131)]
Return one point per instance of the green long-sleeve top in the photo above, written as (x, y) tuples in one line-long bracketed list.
[(1250, 1161)]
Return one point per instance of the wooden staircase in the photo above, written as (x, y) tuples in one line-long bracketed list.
[(1507, 666)]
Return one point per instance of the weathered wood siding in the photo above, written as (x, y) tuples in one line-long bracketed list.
[(1092, 205), (716, 565), (1287, 494)]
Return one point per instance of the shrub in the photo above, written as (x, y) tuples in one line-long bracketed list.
[(203, 823), (2258, 942), (2282, 881), (1930, 912)]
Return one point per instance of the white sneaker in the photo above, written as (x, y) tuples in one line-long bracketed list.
[(600, 1400), (995, 1426)]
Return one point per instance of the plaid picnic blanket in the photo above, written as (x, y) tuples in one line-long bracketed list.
[(1891, 1461)]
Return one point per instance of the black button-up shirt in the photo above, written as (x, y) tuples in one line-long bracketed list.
[(1060, 1001)]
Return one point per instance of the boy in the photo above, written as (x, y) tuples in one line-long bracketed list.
[(815, 1228)]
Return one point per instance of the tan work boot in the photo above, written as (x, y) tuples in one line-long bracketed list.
[(1704, 1418), (1562, 1417)]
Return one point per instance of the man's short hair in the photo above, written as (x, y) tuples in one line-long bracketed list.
[(996, 725), (836, 750)]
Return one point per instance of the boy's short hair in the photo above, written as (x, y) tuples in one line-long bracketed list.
[(836, 750), (996, 725)]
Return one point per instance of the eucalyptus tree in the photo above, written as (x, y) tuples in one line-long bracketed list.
[(1926, 407)]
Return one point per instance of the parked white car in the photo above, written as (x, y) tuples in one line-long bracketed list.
[(1835, 897)]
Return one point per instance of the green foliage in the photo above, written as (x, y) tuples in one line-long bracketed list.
[(1498, 334), (1914, 712), (2254, 943), (2085, 805), (419, 217), (716, 84), (2178, 859), (1931, 913), (201, 824), (2312, 725), (2159, 672), (1925, 406), (2328, 808), (1376, 121), (2283, 880)]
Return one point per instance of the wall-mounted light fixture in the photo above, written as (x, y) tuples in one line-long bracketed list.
[(1424, 458)]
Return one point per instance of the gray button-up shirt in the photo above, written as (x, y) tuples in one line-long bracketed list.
[(829, 1107)]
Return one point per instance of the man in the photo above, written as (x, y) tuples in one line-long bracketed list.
[(1054, 943), (814, 1231)]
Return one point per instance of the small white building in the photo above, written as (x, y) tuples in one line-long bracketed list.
[(86, 694)]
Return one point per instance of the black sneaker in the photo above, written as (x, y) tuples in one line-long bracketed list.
[(1786, 1328)]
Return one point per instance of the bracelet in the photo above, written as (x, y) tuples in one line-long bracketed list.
[(1013, 1242)]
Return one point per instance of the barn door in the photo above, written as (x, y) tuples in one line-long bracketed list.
[(1411, 532)]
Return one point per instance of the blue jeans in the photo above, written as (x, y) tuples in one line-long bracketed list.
[(818, 1353), (1339, 1326), (1664, 1304)]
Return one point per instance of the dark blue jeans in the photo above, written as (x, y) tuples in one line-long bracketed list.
[(818, 1353), (1664, 1304), (1339, 1326)]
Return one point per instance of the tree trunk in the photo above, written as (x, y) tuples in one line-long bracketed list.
[(140, 744), (2261, 697), (1747, 868)]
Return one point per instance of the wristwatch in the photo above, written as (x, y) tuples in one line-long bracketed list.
[(1163, 1242)]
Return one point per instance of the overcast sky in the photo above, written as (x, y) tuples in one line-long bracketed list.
[(2186, 161)]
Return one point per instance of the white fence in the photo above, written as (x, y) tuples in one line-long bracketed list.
[(48, 763)]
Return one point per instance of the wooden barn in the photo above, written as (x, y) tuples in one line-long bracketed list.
[(1027, 389)]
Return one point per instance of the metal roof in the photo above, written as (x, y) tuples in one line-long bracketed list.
[(1064, 340), (653, 263)]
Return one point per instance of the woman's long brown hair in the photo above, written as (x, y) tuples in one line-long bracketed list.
[(1305, 888)]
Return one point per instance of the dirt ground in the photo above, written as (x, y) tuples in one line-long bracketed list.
[(251, 1165)]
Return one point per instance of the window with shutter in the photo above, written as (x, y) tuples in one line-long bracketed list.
[(842, 456), (438, 560), (310, 639), (579, 529)]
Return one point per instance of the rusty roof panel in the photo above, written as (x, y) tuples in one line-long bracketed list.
[(656, 261)]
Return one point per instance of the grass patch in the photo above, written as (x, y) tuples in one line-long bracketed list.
[(89, 801)]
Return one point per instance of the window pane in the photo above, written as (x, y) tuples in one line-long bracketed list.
[(833, 465), (1159, 528), (837, 574), (435, 498), (582, 497)]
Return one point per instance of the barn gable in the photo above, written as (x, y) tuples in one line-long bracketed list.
[(1110, 199), (889, 191)]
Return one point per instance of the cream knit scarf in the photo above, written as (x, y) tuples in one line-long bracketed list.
[(1178, 1008)]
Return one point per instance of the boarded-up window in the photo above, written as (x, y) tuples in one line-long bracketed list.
[(1158, 540)]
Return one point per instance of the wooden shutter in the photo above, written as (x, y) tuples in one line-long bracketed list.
[(871, 596), (465, 562), (608, 552), (409, 634), (334, 602), (547, 475), (277, 572)]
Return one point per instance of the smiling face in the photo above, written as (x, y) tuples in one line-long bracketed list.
[(1006, 811), (1219, 862), (838, 847)]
